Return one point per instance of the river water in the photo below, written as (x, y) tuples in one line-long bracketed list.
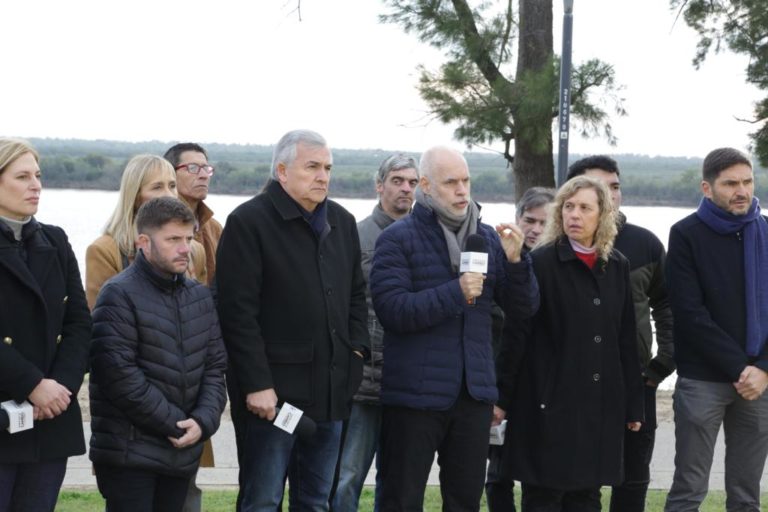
[(83, 214)]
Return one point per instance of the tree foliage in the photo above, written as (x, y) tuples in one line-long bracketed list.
[(742, 27), (494, 93)]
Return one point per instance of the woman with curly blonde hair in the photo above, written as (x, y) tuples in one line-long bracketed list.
[(605, 231), (570, 376)]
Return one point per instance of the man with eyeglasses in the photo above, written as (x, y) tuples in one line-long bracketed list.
[(193, 176)]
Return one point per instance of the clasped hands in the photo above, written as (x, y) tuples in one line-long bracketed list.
[(752, 383), (49, 399)]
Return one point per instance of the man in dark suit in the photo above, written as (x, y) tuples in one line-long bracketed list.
[(294, 318)]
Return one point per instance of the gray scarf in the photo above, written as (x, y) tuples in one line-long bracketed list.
[(456, 228)]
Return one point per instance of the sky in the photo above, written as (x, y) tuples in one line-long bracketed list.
[(247, 71)]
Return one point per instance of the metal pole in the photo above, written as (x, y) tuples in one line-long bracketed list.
[(564, 109)]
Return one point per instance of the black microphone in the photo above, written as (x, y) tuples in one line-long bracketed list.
[(305, 428), (474, 258)]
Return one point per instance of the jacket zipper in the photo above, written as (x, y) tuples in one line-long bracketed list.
[(180, 344)]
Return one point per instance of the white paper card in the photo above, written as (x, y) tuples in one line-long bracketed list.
[(474, 262), (497, 433), (288, 418), (20, 415)]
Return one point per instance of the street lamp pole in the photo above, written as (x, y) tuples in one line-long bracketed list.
[(564, 108)]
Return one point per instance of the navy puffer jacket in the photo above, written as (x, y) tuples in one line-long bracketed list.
[(157, 358), (432, 339)]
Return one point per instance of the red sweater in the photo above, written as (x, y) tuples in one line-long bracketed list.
[(588, 258)]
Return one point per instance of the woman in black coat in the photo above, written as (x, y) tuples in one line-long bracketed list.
[(45, 330), (570, 377)]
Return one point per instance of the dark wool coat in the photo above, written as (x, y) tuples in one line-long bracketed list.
[(646, 256), (157, 358), (434, 340), (292, 304), (705, 276), (570, 378), (45, 328)]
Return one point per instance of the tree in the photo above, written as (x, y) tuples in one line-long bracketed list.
[(494, 94), (742, 27)]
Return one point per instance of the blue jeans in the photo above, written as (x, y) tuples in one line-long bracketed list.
[(32, 487), (270, 454), (360, 445)]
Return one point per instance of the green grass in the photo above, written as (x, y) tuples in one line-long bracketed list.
[(224, 501)]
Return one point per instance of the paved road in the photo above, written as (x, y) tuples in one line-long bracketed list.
[(224, 475)]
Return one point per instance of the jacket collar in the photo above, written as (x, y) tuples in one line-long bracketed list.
[(203, 214), (566, 253), (30, 260), (163, 282), (621, 221), (380, 217), (27, 232), (424, 214), (286, 206)]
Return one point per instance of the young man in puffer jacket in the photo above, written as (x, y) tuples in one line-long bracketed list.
[(157, 369)]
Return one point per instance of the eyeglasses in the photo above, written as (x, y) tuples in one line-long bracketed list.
[(196, 168)]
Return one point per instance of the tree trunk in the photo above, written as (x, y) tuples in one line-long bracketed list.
[(533, 164), (532, 167)]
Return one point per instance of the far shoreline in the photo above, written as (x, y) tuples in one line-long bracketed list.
[(481, 198)]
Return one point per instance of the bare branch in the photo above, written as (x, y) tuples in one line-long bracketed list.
[(510, 21), (297, 9)]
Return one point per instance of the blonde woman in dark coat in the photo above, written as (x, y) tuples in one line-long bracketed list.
[(570, 377), (45, 330)]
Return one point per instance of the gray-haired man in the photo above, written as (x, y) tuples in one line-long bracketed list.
[(396, 182), (293, 316)]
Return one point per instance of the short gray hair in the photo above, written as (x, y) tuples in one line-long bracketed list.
[(396, 162), (285, 150), (534, 197)]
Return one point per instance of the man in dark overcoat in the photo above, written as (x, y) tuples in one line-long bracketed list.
[(294, 318)]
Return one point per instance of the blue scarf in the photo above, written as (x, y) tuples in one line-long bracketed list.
[(755, 263), (317, 219)]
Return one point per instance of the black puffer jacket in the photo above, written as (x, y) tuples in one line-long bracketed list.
[(157, 358)]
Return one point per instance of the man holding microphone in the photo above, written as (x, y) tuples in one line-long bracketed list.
[(438, 383)]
